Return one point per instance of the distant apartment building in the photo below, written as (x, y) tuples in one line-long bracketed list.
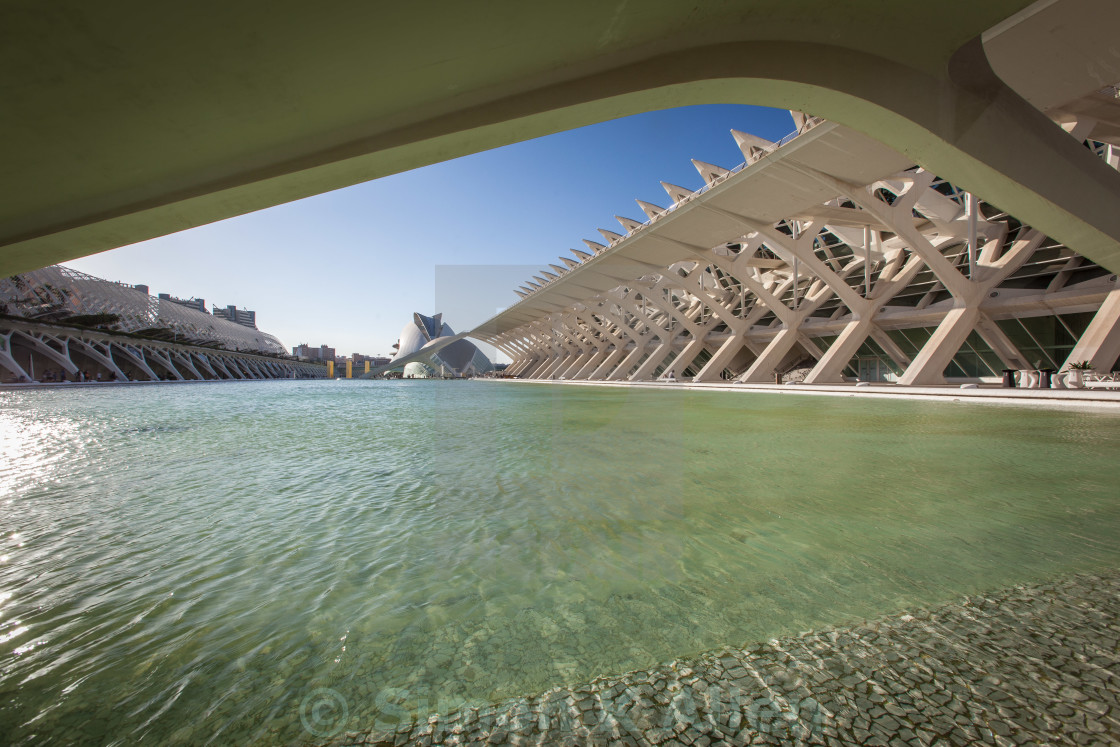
[(198, 304), (304, 351), (244, 317)]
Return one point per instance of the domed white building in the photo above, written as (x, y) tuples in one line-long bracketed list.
[(457, 358)]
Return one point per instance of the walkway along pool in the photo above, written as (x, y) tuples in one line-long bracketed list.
[(193, 564)]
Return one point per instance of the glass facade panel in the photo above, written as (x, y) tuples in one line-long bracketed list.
[(1046, 339)]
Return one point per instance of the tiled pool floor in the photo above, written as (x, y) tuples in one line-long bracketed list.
[(1029, 665)]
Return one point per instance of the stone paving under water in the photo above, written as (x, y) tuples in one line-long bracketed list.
[(1030, 665)]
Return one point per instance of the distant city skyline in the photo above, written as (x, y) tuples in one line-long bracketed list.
[(348, 268)]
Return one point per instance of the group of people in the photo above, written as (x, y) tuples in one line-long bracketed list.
[(82, 376)]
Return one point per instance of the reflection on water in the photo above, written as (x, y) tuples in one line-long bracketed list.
[(191, 563)]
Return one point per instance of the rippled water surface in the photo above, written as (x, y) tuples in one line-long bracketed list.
[(192, 563)]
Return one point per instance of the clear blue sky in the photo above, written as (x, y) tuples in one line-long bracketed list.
[(348, 268)]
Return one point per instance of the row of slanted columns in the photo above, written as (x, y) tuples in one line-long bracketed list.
[(753, 305), (27, 354)]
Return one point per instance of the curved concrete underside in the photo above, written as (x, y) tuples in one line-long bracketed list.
[(128, 121)]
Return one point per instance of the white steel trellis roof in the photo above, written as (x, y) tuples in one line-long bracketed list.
[(805, 252), (55, 293)]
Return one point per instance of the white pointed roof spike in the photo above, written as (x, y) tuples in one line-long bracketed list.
[(799, 119), (531, 284), (752, 146), (676, 194), (569, 262), (583, 256), (523, 295), (559, 270), (650, 209), (551, 276), (610, 236), (708, 172), (629, 224), (540, 280), (594, 246)]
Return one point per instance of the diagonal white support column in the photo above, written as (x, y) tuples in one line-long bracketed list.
[(608, 365), (205, 363), (727, 351), (763, 367), (246, 371), (41, 345), (890, 347), (591, 364), (566, 346), (827, 283), (606, 338), (663, 350), (231, 372), (1002, 345), (831, 365), (6, 359), (613, 362), (539, 337), (136, 357), (739, 327), (535, 351), (641, 342), (688, 355), (627, 363), (929, 365), (591, 344), (930, 362), (102, 356), (520, 356), (253, 369), (163, 360), (185, 360), (810, 345), (646, 370), (968, 292), (1100, 344), (558, 357)]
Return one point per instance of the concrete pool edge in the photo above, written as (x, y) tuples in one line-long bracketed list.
[(1098, 400), (1026, 664)]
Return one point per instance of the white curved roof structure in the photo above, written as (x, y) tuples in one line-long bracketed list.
[(828, 252), (430, 342), (56, 293)]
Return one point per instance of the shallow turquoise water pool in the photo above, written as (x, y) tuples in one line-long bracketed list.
[(194, 563)]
